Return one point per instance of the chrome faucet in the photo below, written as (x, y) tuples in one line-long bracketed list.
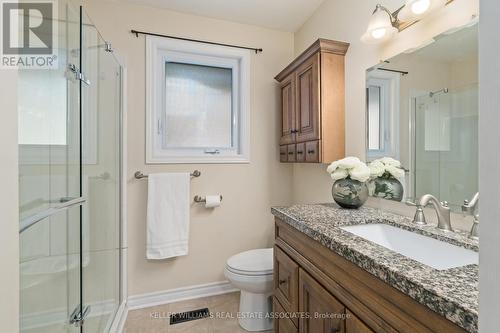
[(441, 208), (471, 207)]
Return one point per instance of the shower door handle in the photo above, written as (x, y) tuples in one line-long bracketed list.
[(78, 74), (77, 317), (34, 219)]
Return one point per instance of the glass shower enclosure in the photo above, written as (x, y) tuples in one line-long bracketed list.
[(70, 183), (445, 153)]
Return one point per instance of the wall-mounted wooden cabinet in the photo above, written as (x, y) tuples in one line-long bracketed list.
[(312, 104)]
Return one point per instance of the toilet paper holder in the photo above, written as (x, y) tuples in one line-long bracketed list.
[(200, 199)]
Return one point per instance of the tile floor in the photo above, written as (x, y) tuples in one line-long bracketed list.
[(155, 319)]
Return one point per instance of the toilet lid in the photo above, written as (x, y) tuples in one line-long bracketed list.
[(253, 262)]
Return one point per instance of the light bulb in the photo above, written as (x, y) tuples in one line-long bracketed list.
[(378, 33), (420, 6)]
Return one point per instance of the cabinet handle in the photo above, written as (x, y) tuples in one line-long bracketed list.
[(290, 153), (282, 281), (300, 153), (310, 151), (294, 131), (282, 154)]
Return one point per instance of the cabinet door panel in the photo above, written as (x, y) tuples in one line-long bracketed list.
[(288, 110), (286, 279), (282, 322), (354, 325), (325, 314), (307, 100)]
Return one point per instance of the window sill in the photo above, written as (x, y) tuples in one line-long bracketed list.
[(198, 160)]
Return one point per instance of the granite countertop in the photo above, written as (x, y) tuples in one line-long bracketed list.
[(452, 293)]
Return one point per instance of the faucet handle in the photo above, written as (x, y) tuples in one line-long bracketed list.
[(445, 204), (419, 217)]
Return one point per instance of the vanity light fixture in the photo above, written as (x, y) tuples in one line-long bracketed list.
[(384, 25), (416, 9)]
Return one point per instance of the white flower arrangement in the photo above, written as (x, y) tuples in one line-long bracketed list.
[(349, 167), (386, 167)]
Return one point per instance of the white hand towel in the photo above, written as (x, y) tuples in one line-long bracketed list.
[(168, 215)]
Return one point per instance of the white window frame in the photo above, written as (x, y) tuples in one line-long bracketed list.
[(389, 84), (160, 50)]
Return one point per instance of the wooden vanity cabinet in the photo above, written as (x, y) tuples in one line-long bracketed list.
[(312, 103), (355, 325), (321, 292), (314, 299)]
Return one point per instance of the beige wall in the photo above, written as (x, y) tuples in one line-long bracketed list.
[(9, 219), (244, 220), (346, 21)]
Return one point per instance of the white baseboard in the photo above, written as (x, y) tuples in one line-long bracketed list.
[(180, 294)]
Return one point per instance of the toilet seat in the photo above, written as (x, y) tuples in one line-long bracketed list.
[(252, 263)]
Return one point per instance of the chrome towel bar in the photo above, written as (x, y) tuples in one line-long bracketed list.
[(140, 175)]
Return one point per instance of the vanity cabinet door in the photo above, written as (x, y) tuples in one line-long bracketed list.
[(324, 313), (354, 325), (286, 278), (307, 100), (288, 110), (282, 323)]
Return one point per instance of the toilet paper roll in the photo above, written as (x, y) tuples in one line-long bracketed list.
[(212, 201)]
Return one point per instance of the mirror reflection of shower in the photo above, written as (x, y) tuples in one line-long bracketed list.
[(423, 109)]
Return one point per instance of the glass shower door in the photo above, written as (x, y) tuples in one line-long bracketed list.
[(50, 191), (101, 107)]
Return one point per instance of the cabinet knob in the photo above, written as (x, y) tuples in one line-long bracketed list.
[(282, 281), (310, 151)]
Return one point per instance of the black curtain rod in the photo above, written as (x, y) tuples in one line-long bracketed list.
[(136, 32), (393, 70)]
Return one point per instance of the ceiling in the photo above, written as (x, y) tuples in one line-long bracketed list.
[(285, 15)]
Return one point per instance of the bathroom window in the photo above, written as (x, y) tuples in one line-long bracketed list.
[(197, 103), (382, 114)]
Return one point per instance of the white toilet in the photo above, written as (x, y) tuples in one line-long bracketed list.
[(252, 272)]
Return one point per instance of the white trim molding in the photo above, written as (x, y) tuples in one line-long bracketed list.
[(389, 119), (160, 51), (180, 294)]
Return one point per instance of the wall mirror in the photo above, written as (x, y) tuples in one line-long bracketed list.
[(422, 110)]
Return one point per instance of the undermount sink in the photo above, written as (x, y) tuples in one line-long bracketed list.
[(429, 251)]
